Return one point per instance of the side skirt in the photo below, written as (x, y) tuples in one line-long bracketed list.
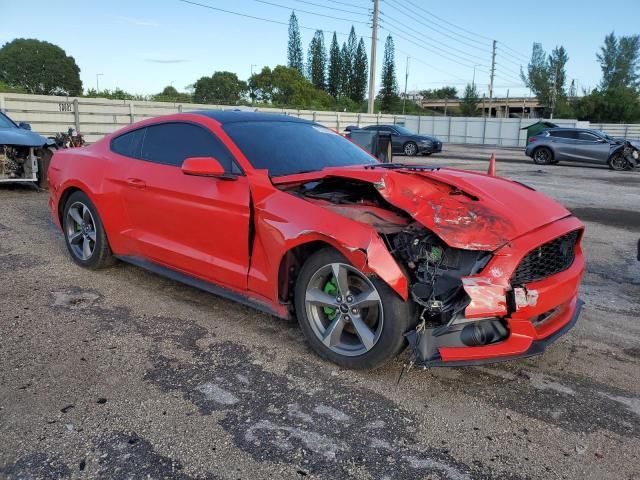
[(199, 284)]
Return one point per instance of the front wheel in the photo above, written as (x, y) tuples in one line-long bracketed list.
[(349, 318), (619, 163)]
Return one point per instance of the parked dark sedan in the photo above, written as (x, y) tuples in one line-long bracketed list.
[(405, 141)]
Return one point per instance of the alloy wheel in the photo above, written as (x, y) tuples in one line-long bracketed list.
[(542, 156), (619, 162), (344, 309), (410, 149), (81, 231)]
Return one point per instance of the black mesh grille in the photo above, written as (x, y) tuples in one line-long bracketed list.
[(546, 260)]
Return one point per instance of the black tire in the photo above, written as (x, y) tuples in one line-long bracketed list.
[(619, 163), (101, 255), (542, 156), (410, 149), (397, 316)]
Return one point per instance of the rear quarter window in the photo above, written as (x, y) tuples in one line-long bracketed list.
[(129, 144)]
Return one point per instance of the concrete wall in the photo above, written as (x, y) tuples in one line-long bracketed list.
[(95, 117)]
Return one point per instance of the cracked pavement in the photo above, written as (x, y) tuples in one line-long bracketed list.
[(121, 373)]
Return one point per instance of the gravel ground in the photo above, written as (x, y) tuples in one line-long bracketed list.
[(124, 374)]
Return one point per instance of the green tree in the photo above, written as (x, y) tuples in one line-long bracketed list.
[(618, 60), (614, 105), (360, 73), (39, 67), (287, 87), (169, 91), (317, 61), (346, 68), (171, 94), (546, 77), (221, 87), (470, 101), (389, 98), (334, 73), (440, 93), (294, 50)]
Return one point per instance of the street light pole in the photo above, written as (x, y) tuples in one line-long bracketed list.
[(97, 83), (406, 80), (372, 68)]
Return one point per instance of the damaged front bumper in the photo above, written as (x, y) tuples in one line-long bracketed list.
[(504, 322)]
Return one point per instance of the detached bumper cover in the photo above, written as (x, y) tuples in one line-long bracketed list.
[(536, 347)]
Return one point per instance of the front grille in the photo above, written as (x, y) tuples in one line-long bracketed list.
[(546, 260)]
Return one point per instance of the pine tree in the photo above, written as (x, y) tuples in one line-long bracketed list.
[(619, 58), (334, 75), (346, 68), (470, 100), (294, 51), (317, 61), (389, 91), (360, 73)]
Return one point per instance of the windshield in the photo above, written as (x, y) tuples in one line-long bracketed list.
[(403, 130), (286, 148), (604, 135), (5, 122)]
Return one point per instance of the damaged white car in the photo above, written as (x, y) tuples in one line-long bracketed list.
[(23, 154)]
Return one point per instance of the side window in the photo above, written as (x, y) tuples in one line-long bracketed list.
[(171, 143), (590, 137), (129, 144), (564, 134)]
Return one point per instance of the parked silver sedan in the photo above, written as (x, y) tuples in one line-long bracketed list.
[(575, 145)]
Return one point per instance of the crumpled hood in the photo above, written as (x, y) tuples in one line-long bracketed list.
[(471, 211), (465, 209), (21, 137)]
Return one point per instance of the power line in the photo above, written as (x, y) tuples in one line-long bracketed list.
[(428, 48), (514, 51), (346, 4), (334, 8), (270, 20), (449, 23), (398, 25), (430, 25), (311, 13)]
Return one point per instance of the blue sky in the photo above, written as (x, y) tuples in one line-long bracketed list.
[(142, 46)]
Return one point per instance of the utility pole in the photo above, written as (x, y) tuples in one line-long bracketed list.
[(406, 80), (372, 69), (493, 74), (97, 82)]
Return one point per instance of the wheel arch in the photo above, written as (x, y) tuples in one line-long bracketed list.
[(292, 261), (546, 147)]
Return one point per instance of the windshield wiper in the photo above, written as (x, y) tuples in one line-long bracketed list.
[(403, 166)]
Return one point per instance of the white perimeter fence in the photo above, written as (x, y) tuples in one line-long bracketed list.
[(95, 117)]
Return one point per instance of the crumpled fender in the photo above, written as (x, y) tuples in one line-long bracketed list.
[(284, 222)]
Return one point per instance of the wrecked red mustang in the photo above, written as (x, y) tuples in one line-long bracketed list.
[(291, 218)]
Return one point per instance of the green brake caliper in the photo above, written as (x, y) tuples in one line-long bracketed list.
[(331, 288)]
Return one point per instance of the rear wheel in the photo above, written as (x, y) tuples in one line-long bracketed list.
[(349, 318), (410, 149), (542, 156), (84, 234)]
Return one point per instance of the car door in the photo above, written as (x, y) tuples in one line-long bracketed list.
[(563, 144), (592, 148), (396, 139), (197, 225)]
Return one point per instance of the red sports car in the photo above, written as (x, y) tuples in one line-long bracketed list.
[(291, 218)]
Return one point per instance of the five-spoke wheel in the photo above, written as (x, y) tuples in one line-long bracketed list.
[(350, 318)]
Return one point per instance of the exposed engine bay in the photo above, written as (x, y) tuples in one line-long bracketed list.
[(18, 163), (434, 269)]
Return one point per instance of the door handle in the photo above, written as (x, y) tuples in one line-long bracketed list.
[(136, 183)]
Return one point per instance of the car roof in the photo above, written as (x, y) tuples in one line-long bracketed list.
[(572, 129), (236, 116)]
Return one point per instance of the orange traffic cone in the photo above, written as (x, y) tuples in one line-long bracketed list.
[(492, 165)]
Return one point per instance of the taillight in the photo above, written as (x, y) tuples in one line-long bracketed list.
[(531, 139)]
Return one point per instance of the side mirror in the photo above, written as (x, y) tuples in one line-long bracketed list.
[(205, 167), (24, 126)]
